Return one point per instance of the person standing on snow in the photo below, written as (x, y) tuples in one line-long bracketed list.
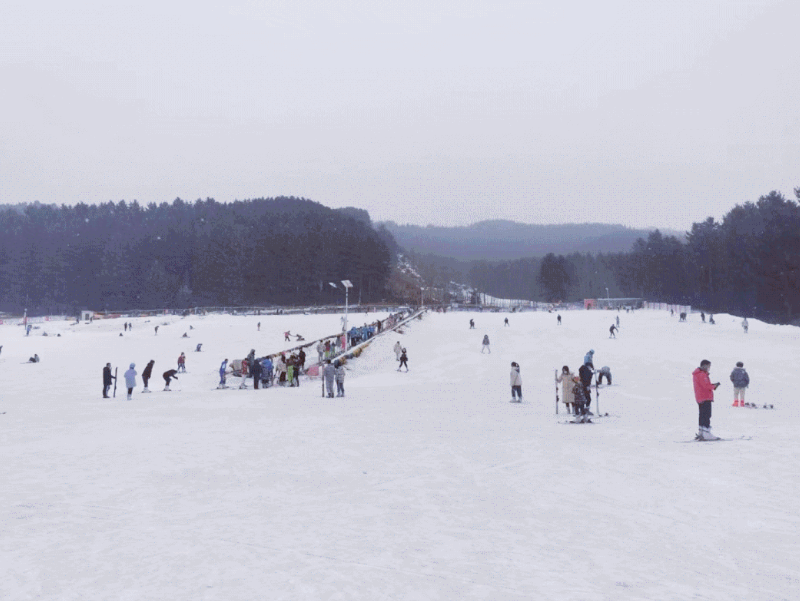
[(565, 379), (745, 325), (505, 322), (255, 371), (580, 398), (485, 345), (223, 368), (107, 378), (611, 331), (740, 381), (329, 373), (516, 383), (586, 373), (168, 376), (148, 371), (588, 359), (398, 349), (558, 319), (704, 395), (182, 363), (339, 379), (130, 380), (403, 360), (320, 351)]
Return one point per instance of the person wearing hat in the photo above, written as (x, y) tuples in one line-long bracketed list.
[(588, 359), (130, 380), (107, 378), (579, 397), (516, 383), (740, 381), (565, 379)]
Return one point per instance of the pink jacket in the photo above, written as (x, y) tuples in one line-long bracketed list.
[(703, 388)]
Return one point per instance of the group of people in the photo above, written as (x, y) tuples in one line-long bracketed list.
[(576, 389), (130, 378)]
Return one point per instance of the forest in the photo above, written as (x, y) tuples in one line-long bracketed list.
[(124, 256), (746, 264)]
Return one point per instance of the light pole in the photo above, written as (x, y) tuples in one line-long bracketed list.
[(347, 284)]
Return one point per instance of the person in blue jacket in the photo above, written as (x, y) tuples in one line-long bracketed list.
[(222, 370)]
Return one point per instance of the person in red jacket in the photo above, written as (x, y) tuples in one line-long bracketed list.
[(704, 395)]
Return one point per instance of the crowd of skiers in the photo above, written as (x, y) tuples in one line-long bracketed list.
[(130, 378)]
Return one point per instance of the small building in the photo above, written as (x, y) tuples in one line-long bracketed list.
[(87, 315), (612, 303)]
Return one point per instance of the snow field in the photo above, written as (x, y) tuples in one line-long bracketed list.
[(420, 485)]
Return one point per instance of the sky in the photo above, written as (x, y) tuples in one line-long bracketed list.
[(648, 114)]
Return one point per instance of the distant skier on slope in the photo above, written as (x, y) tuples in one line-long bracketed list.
[(612, 331), (403, 360), (223, 368), (485, 344)]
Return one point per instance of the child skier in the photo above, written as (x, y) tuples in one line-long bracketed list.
[(182, 363), (740, 381), (403, 360), (223, 368)]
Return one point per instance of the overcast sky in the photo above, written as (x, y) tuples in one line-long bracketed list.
[(646, 113)]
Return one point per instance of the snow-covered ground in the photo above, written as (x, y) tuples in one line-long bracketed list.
[(420, 485)]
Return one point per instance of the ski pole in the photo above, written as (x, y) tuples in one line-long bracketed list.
[(115, 381), (555, 379)]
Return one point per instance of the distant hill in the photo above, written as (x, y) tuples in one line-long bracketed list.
[(501, 240)]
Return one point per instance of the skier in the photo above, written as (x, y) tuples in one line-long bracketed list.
[(259, 326), (745, 325), (223, 368), (244, 373), (711, 320), (558, 317), (156, 330), (588, 359), (107, 377), (197, 350), (485, 345), (320, 351), (339, 379), (168, 376), (505, 322), (611, 330), (565, 378), (267, 370), (301, 361), (286, 336), (703, 316), (516, 383), (471, 324), (605, 371), (704, 395), (329, 373), (398, 349), (740, 381), (130, 380), (582, 413), (148, 371), (403, 360), (34, 359), (617, 321), (182, 363), (585, 373)]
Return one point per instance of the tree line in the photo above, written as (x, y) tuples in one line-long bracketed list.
[(746, 264), (121, 256)]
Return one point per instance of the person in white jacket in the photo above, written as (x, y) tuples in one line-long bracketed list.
[(398, 350), (516, 383), (130, 380)]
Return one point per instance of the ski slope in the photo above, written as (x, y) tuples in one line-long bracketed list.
[(420, 485)]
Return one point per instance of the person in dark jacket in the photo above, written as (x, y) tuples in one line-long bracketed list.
[(255, 371), (107, 380), (403, 360), (740, 381), (586, 373), (168, 376), (148, 371)]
